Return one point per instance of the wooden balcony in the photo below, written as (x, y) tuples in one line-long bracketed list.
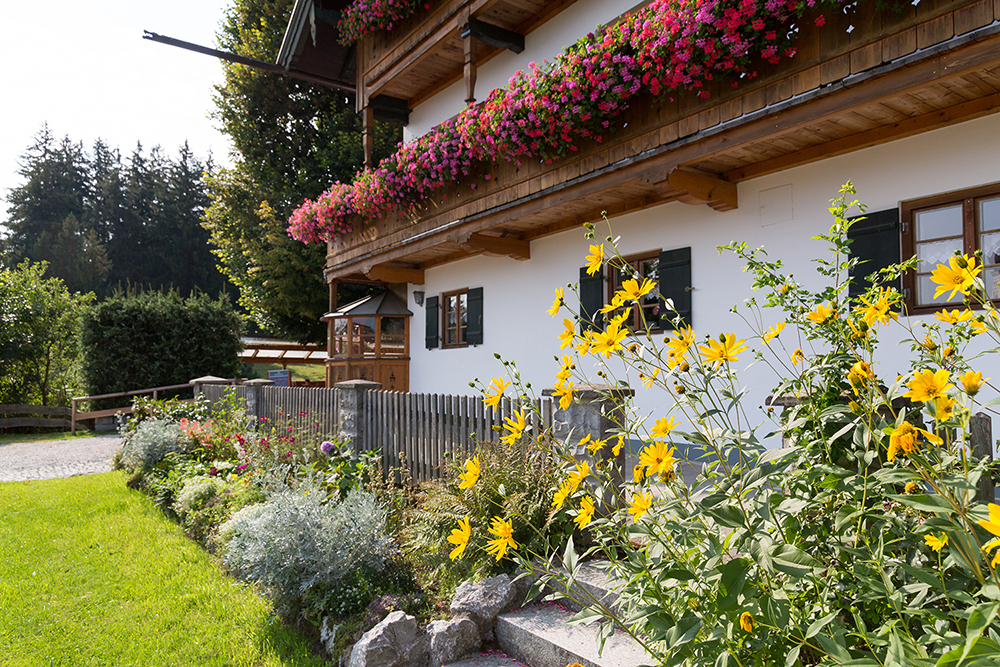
[(426, 53), (892, 76)]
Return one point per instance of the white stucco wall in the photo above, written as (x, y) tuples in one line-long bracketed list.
[(517, 294), (545, 43)]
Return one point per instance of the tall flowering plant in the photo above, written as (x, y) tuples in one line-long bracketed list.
[(548, 111), (860, 543)]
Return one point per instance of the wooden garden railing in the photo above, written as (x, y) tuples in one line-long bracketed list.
[(34, 416), (111, 412)]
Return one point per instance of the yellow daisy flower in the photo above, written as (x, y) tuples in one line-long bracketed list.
[(971, 382), (658, 459), (504, 537), (957, 276), (557, 304), (663, 427), (568, 334), (821, 314), (927, 385), (640, 505), (494, 391), (774, 332), (460, 537), (515, 426), (953, 317), (721, 350), (471, 474), (586, 513), (595, 259), (993, 526), (936, 543), (561, 494), (578, 475)]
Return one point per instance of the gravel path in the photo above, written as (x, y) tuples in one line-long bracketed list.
[(57, 458)]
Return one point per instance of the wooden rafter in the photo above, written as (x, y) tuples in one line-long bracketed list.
[(396, 274), (498, 246)]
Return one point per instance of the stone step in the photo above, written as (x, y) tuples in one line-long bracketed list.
[(486, 659), (539, 637), (590, 582)]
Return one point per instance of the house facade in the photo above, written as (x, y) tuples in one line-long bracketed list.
[(901, 102)]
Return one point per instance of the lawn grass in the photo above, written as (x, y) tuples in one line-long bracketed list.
[(14, 438), (91, 573)]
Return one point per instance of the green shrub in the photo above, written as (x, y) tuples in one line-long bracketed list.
[(150, 443), (152, 339), (513, 478), (38, 336), (298, 547)]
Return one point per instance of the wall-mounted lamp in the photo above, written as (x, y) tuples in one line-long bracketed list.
[(418, 298)]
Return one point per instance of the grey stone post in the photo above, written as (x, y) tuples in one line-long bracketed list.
[(353, 394), (594, 408), (981, 443), (255, 406), (198, 383)]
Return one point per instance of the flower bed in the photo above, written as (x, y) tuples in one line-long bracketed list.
[(547, 111)]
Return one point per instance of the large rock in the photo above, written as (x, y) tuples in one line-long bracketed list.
[(484, 600), (395, 642), (450, 640)]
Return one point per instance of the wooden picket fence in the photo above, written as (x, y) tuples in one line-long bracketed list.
[(421, 430), (315, 410)]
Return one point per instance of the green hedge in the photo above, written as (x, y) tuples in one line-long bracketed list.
[(151, 339)]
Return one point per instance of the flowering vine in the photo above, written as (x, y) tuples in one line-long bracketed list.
[(547, 111)]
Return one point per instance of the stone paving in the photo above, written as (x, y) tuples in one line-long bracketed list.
[(58, 458)]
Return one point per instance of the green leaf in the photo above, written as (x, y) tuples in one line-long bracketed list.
[(734, 576), (819, 624), (896, 657), (793, 561), (983, 653), (833, 648), (584, 616), (895, 475), (569, 559), (978, 620), (924, 502)]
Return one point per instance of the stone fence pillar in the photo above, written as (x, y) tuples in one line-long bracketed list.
[(255, 406), (593, 412), (198, 383), (353, 394)]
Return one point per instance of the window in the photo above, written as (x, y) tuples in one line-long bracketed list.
[(934, 228), (639, 268), (454, 318), (670, 270)]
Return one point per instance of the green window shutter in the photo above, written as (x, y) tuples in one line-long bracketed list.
[(591, 300), (875, 241), (675, 284), (433, 322), (474, 316)]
